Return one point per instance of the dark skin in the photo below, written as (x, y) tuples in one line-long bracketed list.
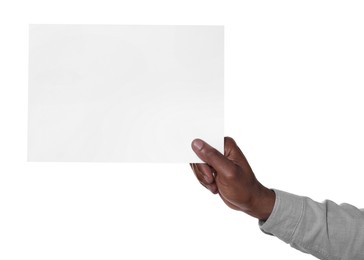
[(231, 176)]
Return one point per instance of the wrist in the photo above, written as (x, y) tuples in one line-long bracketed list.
[(262, 203)]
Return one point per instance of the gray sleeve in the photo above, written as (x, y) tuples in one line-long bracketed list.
[(325, 230)]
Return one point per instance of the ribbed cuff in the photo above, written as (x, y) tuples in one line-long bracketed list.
[(285, 217)]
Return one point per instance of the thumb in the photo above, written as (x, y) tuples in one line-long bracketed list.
[(212, 157)]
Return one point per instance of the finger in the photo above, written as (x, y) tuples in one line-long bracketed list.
[(199, 175), (212, 157), (207, 172), (233, 152), (210, 186), (213, 188)]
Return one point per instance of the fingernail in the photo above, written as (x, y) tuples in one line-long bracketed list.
[(198, 144)]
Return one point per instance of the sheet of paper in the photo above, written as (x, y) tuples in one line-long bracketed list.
[(124, 93)]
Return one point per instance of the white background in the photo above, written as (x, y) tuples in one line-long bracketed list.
[(293, 77)]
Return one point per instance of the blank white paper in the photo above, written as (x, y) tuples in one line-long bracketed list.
[(124, 93)]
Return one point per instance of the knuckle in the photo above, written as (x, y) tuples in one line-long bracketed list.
[(231, 177), (211, 153), (233, 174)]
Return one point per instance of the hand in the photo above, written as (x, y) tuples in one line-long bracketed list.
[(231, 177)]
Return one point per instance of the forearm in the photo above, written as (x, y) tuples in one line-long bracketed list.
[(325, 230)]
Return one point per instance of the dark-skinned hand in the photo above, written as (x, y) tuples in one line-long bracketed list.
[(231, 177)]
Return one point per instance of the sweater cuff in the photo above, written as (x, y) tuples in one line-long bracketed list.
[(285, 217)]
